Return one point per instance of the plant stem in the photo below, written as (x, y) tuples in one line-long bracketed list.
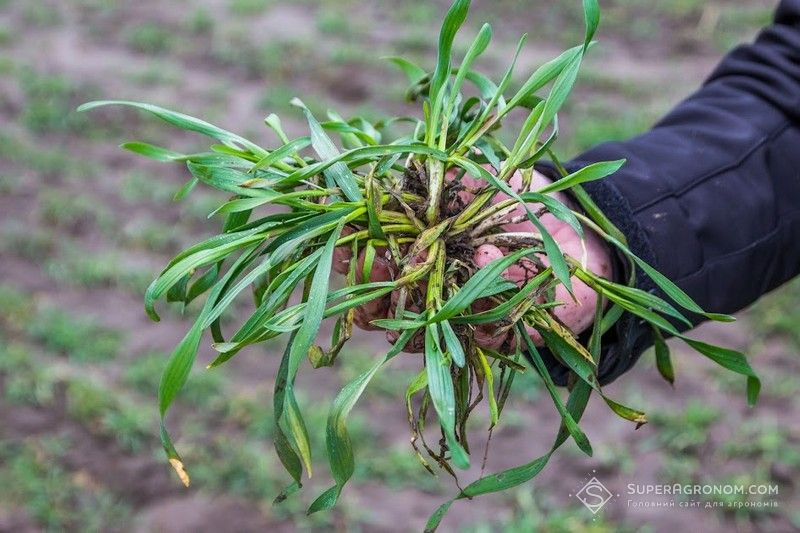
[(435, 190)]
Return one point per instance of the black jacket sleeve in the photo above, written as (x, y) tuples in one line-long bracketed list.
[(711, 195)]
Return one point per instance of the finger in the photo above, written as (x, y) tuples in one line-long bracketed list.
[(470, 183), (485, 254), (550, 222), (414, 296), (382, 270), (416, 344), (577, 313), (486, 335), (535, 336), (343, 254)]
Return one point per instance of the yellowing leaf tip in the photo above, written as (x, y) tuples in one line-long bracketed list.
[(177, 464)]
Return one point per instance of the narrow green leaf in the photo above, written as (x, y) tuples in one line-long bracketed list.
[(591, 15), (413, 72), (179, 365), (556, 208), (337, 174), (198, 259), (676, 293), (551, 248), (506, 479), (494, 414), (436, 517), (561, 89), (477, 47), (297, 428), (153, 152), (452, 22), (503, 309), (307, 333), (663, 361), (584, 366), (452, 343), (665, 284), (591, 172), (181, 193), (440, 387), (279, 154), (475, 285), (286, 454), (339, 445), (182, 121), (542, 76), (374, 207), (566, 417), (732, 360), (227, 179)]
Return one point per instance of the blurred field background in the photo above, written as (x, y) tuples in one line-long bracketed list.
[(84, 226)]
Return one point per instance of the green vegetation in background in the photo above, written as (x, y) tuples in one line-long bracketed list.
[(150, 38), (32, 479), (79, 268), (529, 514), (247, 8), (779, 314), (79, 338), (50, 102)]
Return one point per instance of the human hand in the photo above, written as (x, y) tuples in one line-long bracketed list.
[(575, 313)]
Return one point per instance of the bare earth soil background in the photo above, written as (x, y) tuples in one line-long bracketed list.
[(84, 226)]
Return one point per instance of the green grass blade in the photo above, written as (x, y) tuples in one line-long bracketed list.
[(286, 454), (592, 172), (506, 479), (156, 153), (338, 443), (561, 89), (551, 247), (297, 428), (226, 179), (198, 259), (663, 360), (542, 76), (176, 372), (337, 174), (591, 15), (304, 339), (184, 122), (502, 310), (474, 286), (452, 22), (664, 283), (676, 293), (413, 72), (556, 208), (284, 151), (477, 47), (453, 344), (572, 426), (732, 360), (440, 387), (494, 414), (435, 519)]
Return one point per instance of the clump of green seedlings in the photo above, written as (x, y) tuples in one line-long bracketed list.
[(294, 207)]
